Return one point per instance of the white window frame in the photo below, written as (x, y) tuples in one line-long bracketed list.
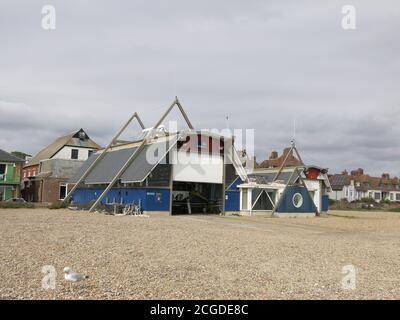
[(301, 200), (5, 171), (62, 184)]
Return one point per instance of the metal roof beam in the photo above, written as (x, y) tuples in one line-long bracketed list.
[(139, 149), (102, 155), (178, 104)]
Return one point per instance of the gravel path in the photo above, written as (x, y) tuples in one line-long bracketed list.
[(199, 257)]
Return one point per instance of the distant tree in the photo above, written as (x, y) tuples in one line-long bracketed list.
[(21, 155)]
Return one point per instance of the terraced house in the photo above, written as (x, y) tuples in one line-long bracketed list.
[(10, 175), (357, 185)]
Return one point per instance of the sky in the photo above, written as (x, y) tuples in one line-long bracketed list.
[(264, 65)]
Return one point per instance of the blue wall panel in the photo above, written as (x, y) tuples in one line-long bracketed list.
[(234, 185), (82, 195), (287, 206), (157, 199), (151, 199), (325, 203), (232, 200)]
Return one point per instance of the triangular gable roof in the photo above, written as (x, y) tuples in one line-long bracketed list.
[(70, 139), (285, 204)]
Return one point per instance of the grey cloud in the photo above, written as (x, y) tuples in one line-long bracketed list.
[(262, 63)]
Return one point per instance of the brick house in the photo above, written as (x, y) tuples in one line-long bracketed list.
[(275, 161), (357, 185), (10, 175), (45, 176)]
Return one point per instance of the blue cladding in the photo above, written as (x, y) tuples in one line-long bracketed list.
[(157, 199), (287, 206), (232, 201), (232, 196), (151, 199), (82, 196), (235, 184), (325, 203)]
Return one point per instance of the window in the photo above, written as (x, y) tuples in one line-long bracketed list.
[(90, 152), (261, 200), (391, 197), (298, 200), (377, 196), (74, 154), (2, 171), (63, 191), (397, 196), (82, 135)]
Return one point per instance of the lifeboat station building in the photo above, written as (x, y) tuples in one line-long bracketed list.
[(193, 172)]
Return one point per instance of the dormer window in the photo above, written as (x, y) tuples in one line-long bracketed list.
[(82, 135)]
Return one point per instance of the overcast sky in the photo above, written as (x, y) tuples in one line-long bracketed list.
[(262, 63)]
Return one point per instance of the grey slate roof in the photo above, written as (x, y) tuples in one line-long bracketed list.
[(141, 167), (265, 178), (8, 157), (338, 181), (113, 161)]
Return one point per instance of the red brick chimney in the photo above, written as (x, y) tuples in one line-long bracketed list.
[(274, 155), (386, 176), (286, 151)]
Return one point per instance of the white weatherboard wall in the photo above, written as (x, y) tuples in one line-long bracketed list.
[(315, 188), (65, 153), (193, 167)]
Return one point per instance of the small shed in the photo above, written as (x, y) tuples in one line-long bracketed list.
[(286, 191)]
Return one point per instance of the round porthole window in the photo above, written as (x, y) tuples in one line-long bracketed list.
[(298, 200)]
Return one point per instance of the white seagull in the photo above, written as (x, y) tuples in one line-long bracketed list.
[(72, 276)]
